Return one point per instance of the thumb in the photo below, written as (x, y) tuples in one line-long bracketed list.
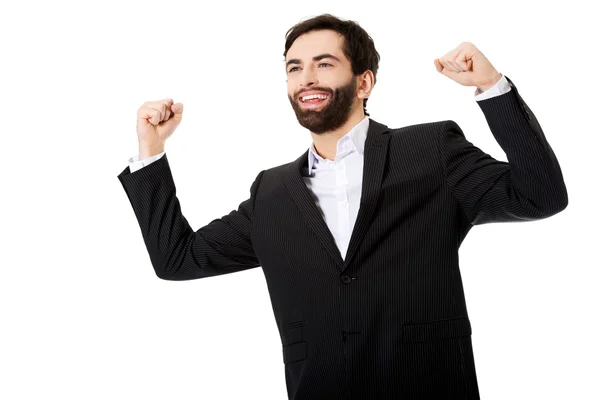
[(177, 109)]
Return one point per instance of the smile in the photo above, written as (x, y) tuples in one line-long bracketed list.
[(314, 102)]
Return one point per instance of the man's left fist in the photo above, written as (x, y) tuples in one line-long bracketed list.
[(468, 66)]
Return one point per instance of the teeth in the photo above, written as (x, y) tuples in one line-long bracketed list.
[(314, 96)]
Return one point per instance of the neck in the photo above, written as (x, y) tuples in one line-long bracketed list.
[(326, 143)]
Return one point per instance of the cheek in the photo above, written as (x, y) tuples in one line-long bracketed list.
[(291, 95)]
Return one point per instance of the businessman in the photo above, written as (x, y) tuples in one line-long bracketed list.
[(358, 237)]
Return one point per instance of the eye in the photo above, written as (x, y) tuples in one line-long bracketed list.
[(324, 63)]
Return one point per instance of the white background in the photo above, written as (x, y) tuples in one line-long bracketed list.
[(83, 315)]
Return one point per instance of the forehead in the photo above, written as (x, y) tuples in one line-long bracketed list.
[(317, 42)]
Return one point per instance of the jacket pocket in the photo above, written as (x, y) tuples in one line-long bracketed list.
[(416, 332), (294, 352)]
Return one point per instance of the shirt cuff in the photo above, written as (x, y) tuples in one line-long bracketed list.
[(135, 163), (501, 87)]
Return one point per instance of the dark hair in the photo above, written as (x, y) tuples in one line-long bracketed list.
[(358, 45)]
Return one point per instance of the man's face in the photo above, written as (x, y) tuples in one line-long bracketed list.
[(330, 75)]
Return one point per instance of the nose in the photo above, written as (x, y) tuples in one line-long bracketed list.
[(308, 78)]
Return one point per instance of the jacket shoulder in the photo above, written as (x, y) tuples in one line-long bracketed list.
[(433, 127)]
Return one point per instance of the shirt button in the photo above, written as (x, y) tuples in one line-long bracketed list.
[(346, 279)]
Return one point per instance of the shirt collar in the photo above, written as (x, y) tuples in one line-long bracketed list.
[(351, 141)]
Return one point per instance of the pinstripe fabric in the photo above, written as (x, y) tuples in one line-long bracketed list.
[(389, 321)]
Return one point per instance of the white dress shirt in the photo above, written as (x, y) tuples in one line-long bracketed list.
[(337, 184)]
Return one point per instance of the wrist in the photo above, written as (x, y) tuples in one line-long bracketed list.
[(150, 149), (491, 83)]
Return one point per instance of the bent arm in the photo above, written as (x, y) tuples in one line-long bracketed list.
[(528, 187), (176, 251)]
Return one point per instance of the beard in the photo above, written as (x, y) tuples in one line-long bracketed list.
[(330, 116)]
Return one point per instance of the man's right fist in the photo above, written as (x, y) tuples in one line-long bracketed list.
[(157, 120)]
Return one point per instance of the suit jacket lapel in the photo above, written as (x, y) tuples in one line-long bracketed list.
[(375, 154)]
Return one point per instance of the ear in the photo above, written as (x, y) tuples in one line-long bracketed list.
[(365, 84)]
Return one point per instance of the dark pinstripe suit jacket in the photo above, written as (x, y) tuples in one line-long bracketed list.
[(389, 321)]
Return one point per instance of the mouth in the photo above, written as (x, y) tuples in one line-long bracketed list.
[(314, 102)]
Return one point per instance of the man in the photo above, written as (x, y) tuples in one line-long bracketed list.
[(358, 237)]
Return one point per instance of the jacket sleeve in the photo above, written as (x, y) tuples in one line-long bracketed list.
[(176, 251), (528, 187)]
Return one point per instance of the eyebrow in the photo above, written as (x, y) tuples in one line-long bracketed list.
[(315, 58)]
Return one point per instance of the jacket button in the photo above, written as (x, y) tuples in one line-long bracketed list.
[(346, 279)]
